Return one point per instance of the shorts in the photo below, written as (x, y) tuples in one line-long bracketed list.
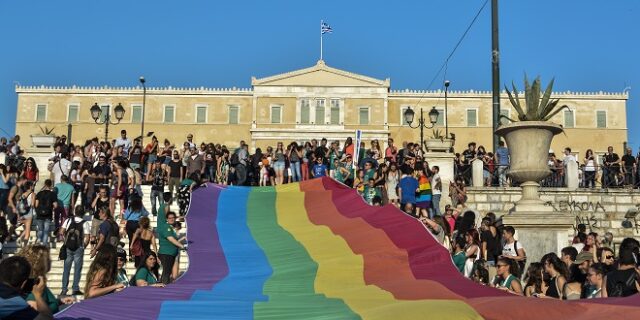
[(95, 226), (123, 190), (134, 166), (28, 215), (152, 158), (278, 165)]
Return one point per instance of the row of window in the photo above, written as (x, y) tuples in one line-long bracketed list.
[(135, 114), (320, 115)]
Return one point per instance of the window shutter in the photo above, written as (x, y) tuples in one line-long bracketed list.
[(364, 116), (276, 114), (136, 114), (201, 114), (568, 119), (319, 111), (335, 111), (73, 113), (304, 111), (601, 119), (233, 114), (168, 114), (472, 118)]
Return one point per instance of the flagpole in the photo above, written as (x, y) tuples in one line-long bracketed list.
[(321, 21)]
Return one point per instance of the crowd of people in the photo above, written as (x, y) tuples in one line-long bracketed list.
[(93, 200), (490, 255)]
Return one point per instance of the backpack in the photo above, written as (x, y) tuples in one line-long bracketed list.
[(235, 159), (44, 208), (114, 236), (521, 263), (73, 235), (23, 205)]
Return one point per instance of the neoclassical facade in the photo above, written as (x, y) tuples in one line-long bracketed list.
[(314, 102)]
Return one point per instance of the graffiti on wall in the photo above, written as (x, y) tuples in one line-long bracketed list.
[(577, 206)]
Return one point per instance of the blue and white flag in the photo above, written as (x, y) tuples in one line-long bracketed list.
[(325, 28)]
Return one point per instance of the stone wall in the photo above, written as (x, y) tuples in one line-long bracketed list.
[(601, 210)]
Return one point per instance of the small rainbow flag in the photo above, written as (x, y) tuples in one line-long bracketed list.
[(315, 250)]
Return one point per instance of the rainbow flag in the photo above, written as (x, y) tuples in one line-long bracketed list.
[(423, 198), (315, 250)]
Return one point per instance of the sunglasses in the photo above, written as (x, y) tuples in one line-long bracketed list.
[(608, 257)]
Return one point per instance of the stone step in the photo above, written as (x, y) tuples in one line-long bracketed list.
[(54, 277)]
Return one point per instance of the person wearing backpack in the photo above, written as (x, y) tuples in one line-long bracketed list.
[(513, 249), (46, 201), (625, 280), (25, 210), (109, 231), (75, 240)]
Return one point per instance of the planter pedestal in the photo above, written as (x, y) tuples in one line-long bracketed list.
[(541, 232), (528, 143)]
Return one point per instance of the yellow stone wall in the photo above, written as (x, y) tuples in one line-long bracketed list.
[(583, 136)]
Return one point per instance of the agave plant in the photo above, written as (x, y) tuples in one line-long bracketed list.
[(437, 134), (46, 130), (537, 108)]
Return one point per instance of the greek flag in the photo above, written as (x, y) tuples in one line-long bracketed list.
[(325, 28)]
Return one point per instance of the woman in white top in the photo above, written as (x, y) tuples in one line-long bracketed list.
[(472, 250), (589, 169), (391, 182)]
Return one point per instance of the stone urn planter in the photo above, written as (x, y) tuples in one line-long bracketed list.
[(43, 141), (528, 143), (438, 145)]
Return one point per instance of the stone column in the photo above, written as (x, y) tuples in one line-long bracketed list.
[(540, 233), (444, 161), (571, 175), (477, 174)]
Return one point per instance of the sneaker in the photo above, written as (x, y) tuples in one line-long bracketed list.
[(78, 293)]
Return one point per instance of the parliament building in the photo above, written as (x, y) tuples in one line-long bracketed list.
[(315, 102)]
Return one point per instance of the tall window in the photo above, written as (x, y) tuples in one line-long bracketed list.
[(506, 113), (41, 112), (105, 109), (169, 114), (335, 111), (201, 114), (441, 117), (364, 115), (404, 109), (234, 114), (305, 111), (136, 114), (320, 111), (569, 120), (472, 118), (72, 113), (276, 114), (601, 119)]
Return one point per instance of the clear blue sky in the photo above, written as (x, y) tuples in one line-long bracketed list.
[(587, 45)]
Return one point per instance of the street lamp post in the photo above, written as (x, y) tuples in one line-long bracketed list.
[(446, 109), (433, 118), (144, 98), (96, 112)]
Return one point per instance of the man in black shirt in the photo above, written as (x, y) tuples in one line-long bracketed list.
[(629, 167), (102, 172), (611, 168), (322, 151), (46, 201), (468, 156)]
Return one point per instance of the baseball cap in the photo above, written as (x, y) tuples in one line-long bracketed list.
[(583, 256)]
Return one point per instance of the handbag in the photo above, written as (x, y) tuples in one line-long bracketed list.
[(62, 255), (136, 248)]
